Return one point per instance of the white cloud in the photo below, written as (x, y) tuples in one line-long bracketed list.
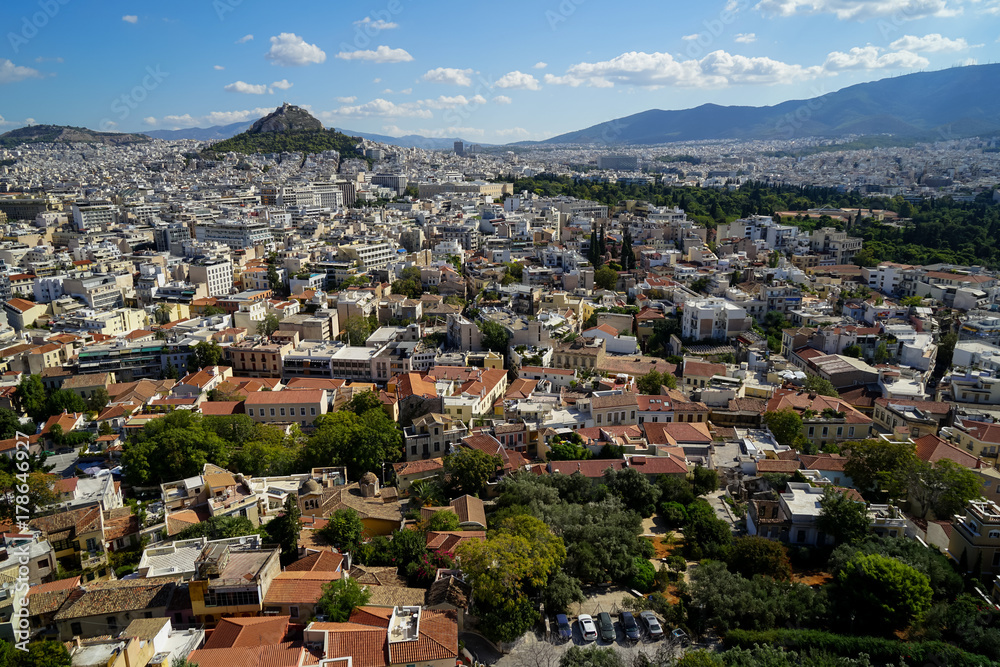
[(377, 80), (448, 132), (406, 91), (382, 54), (991, 8), (716, 69), (380, 24), (218, 67), (246, 88), (150, 120), (29, 121), (244, 39), (967, 62), (690, 38), (213, 118), (871, 57), (518, 132), (862, 10), (541, 65), (130, 18), (282, 85), (445, 102), (517, 79), (347, 100), (449, 75), (40, 60), (933, 43), (379, 107), (290, 50), (11, 73), (3, 122), (502, 99), (745, 38)]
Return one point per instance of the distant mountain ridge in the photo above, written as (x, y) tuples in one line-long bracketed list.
[(951, 103), (214, 133), (53, 134), (289, 129)]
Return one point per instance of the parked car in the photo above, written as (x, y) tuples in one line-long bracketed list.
[(562, 624), (587, 627), (653, 626), (629, 626), (606, 627), (678, 636)]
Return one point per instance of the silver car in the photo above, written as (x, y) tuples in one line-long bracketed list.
[(653, 626), (587, 627)]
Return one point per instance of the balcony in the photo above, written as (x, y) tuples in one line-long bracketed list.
[(92, 559)]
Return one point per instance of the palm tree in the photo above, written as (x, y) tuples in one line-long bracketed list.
[(425, 493), (163, 312)]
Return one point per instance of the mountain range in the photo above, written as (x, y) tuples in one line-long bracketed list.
[(951, 103), (51, 134)]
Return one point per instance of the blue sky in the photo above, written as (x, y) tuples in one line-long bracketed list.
[(491, 72)]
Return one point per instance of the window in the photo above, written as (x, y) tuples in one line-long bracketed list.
[(250, 412), (112, 622), (293, 611), (283, 411), (312, 412), (76, 629), (272, 412), (302, 412)]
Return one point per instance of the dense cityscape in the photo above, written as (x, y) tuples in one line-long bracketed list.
[(694, 388)]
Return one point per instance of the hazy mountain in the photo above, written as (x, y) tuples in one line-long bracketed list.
[(951, 103), (214, 133), (412, 140), (50, 134)]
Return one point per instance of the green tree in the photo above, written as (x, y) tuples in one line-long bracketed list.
[(340, 598), (98, 400), (699, 658), (706, 535), (409, 288), (944, 487), (786, 425), (359, 442), (357, 329), (495, 336), (48, 653), (844, 519), (945, 581), (426, 493), (817, 385), (284, 530), (443, 520), (945, 353), (173, 447), (704, 480), (267, 326), (643, 577), (562, 591), (878, 466), (633, 489), (406, 547), (567, 450), (651, 382), (343, 530), (64, 400), (881, 593), (606, 278), (219, 528), (752, 555), (13, 498), (853, 351), (591, 656), (30, 395), (881, 352), (468, 470), (206, 354)]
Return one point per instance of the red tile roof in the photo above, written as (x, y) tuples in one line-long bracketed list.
[(253, 631)]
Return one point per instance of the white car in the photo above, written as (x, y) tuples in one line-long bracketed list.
[(587, 627)]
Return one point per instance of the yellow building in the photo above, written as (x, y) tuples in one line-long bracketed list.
[(231, 583)]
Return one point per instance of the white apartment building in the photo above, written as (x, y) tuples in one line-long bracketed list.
[(216, 274), (715, 319), (94, 217), (371, 255), (237, 234), (886, 277)]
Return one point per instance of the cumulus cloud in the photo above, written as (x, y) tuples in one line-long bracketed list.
[(11, 73), (40, 60), (246, 88), (379, 107), (244, 39), (933, 43), (541, 65), (218, 67), (716, 69), (518, 132), (4, 122), (517, 79), (445, 102), (290, 50), (382, 54), (213, 118), (745, 38), (282, 85), (130, 18), (690, 38), (872, 57), (347, 100), (862, 10), (377, 25), (449, 75), (502, 99)]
